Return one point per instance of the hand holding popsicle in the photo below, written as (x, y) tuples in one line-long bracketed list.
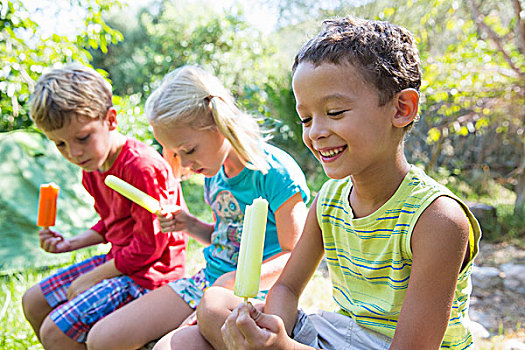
[(251, 251), (173, 218), (53, 242)]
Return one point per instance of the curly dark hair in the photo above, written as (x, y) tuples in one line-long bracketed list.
[(385, 54)]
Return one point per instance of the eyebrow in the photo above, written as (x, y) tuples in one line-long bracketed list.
[(333, 97)]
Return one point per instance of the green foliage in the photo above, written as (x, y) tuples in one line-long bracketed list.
[(472, 92), (131, 119), (16, 332), (192, 189), (26, 52), (170, 34)]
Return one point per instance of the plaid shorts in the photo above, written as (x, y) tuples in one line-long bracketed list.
[(76, 317)]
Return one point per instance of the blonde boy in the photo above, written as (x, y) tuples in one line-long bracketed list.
[(73, 107)]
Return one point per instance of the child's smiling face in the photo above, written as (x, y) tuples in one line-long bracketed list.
[(343, 124)]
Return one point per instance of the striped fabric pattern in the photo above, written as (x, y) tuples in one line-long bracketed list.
[(370, 258)]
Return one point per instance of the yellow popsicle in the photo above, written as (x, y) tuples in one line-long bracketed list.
[(251, 251), (144, 200)]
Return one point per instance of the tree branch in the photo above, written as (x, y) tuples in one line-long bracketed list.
[(520, 26), (478, 19)]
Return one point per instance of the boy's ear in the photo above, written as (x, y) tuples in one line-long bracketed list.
[(407, 105), (111, 118)]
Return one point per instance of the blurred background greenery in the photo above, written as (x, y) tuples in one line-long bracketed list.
[(471, 132)]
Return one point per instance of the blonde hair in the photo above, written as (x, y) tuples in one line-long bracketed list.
[(191, 96), (71, 91)]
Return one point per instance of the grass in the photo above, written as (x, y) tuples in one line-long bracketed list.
[(16, 334)]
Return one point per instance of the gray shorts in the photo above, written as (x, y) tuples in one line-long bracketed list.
[(331, 330)]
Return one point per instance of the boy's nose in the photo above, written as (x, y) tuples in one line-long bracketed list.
[(185, 162), (75, 151), (318, 128)]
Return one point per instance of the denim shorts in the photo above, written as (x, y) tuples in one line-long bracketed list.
[(332, 330), (76, 316)]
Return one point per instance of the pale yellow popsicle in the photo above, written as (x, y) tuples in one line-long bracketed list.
[(251, 251), (144, 200)]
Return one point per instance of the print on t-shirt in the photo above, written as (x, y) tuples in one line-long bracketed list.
[(227, 237)]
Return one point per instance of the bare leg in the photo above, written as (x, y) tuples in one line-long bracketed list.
[(35, 308), (187, 338), (53, 338), (135, 324), (215, 306)]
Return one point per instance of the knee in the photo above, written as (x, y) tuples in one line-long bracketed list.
[(32, 300), (213, 300), (215, 306), (98, 337), (163, 344), (49, 333)]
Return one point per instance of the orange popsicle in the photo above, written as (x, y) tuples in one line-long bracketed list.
[(47, 205)]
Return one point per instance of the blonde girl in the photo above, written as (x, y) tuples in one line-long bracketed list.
[(194, 116)]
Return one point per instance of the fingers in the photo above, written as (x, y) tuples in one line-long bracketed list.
[(167, 225), (231, 335), (259, 306), (241, 329), (49, 240), (248, 323), (168, 218)]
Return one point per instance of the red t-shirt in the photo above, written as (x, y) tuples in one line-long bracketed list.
[(139, 248)]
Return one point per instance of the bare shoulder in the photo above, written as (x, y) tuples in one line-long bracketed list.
[(443, 224)]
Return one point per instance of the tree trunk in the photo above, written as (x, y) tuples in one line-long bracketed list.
[(520, 195), (520, 186)]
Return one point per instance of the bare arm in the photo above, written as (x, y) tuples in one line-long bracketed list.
[(89, 279), (53, 242), (283, 298), (439, 243)]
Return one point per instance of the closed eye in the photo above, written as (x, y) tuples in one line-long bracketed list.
[(304, 121), (336, 113), (189, 151)]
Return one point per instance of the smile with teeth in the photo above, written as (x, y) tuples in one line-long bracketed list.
[(332, 152)]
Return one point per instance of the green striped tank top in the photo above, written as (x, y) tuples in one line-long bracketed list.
[(370, 258)]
